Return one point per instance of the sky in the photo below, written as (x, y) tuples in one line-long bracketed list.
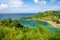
[(28, 6)]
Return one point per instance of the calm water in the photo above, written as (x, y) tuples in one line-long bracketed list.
[(15, 16), (33, 24), (30, 23)]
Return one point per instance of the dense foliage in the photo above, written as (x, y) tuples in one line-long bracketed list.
[(13, 30), (48, 15), (10, 23)]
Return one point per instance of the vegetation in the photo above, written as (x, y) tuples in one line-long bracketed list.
[(48, 15), (13, 30), (10, 23)]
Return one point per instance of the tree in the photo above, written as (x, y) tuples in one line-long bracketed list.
[(16, 23)]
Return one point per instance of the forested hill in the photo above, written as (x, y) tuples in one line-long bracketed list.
[(48, 15)]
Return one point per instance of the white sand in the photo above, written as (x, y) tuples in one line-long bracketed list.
[(54, 24)]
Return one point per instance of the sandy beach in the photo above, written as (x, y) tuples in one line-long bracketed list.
[(54, 24), (50, 22)]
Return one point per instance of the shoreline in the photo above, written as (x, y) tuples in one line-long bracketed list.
[(50, 22), (54, 24)]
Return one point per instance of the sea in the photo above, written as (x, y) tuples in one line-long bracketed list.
[(15, 15), (28, 23)]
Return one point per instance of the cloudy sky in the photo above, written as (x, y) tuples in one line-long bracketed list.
[(28, 6)]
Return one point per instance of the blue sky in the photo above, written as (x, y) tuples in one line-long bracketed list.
[(28, 6)]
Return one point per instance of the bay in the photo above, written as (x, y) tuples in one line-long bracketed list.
[(28, 23), (35, 23)]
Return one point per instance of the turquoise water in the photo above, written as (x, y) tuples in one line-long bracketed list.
[(33, 24)]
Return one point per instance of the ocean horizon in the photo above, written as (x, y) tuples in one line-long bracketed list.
[(15, 15)]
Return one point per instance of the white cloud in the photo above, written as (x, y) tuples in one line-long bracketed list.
[(15, 3), (53, 8), (52, 1), (11, 4), (3, 6), (41, 2), (36, 1)]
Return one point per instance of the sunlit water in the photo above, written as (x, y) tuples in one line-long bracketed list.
[(34, 23), (28, 23)]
